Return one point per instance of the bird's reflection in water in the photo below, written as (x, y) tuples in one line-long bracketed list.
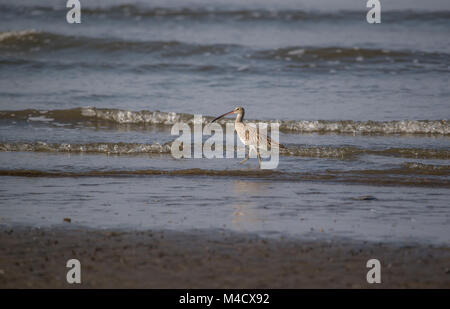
[(245, 209), (242, 187)]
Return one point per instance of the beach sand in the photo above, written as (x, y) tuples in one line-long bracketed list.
[(36, 258)]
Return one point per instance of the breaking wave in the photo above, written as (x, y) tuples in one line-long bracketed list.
[(381, 127), (350, 152), (292, 150), (101, 148), (118, 116), (34, 41)]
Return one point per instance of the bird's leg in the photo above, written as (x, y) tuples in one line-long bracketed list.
[(243, 161), (259, 157)]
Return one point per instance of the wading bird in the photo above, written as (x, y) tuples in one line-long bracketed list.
[(250, 135)]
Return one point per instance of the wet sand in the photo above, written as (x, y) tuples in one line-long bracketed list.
[(36, 258)]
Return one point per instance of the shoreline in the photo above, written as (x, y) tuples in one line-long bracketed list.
[(115, 258)]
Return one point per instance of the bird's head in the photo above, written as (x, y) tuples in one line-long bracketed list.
[(238, 110)]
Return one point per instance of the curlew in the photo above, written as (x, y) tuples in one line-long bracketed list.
[(250, 135)]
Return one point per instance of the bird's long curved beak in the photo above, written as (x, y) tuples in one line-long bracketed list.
[(223, 116)]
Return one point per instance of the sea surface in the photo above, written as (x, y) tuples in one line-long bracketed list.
[(86, 113)]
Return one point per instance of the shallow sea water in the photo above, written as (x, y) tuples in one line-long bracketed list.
[(86, 113)]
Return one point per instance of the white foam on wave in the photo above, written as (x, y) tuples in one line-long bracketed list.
[(16, 34), (365, 127), (136, 117), (105, 148), (40, 118)]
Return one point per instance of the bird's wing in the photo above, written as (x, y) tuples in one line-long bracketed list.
[(254, 137)]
